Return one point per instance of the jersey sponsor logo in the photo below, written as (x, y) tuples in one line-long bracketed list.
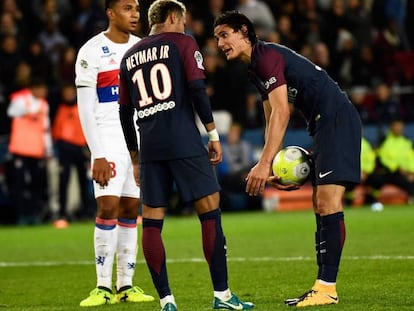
[(155, 109), (199, 59), (107, 94), (105, 49), (269, 82)]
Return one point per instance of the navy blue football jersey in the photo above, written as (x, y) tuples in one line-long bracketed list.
[(310, 89), (154, 78)]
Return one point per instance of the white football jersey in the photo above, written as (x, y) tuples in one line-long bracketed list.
[(97, 66)]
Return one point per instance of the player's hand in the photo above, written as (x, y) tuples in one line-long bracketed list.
[(274, 181), (256, 179), (214, 152), (101, 171)]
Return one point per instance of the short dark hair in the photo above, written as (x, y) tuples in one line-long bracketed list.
[(236, 20), (110, 3)]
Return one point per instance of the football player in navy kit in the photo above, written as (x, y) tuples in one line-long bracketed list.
[(162, 77), (282, 76)]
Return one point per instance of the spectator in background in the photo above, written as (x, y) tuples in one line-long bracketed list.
[(320, 56), (284, 29), (66, 65), (345, 52), (357, 95), (368, 164), (232, 171), (40, 61), (23, 75), (10, 57), (395, 159), (333, 21), (359, 23), (253, 118), (364, 69), (52, 39), (87, 20), (259, 13), (387, 42), (386, 106), (30, 145), (71, 152)]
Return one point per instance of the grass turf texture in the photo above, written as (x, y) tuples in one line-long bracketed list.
[(271, 257)]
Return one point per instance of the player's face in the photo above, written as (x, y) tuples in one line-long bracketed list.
[(233, 43), (126, 15)]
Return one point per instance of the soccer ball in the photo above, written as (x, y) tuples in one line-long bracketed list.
[(292, 164)]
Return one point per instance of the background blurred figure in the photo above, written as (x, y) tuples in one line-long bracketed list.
[(71, 152), (237, 161), (30, 145), (386, 105), (395, 159)]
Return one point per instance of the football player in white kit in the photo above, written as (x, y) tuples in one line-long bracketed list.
[(115, 186)]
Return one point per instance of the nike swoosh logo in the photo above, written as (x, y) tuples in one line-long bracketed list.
[(234, 307), (332, 297), (322, 175)]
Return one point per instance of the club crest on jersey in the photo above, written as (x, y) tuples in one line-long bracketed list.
[(199, 59), (105, 49)]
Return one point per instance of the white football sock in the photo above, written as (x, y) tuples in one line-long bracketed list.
[(223, 295), (105, 241), (126, 252), (167, 299)]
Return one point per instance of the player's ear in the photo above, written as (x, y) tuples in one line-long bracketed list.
[(110, 13), (244, 31)]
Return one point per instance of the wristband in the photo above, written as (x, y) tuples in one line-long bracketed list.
[(213, 135)]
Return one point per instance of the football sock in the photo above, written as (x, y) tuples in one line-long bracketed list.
[(154, 253), (126, 251), (317, 244), (332, 239), (223, 295), (167, 299), (105, 241), (214, 247)]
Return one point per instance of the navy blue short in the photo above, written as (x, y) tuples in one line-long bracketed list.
[(337, 149), (194, 177)]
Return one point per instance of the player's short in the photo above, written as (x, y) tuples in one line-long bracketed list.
[(122, 182), (194, 177), (337, 149)]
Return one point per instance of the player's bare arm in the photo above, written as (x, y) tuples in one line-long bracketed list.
[(277, 123)]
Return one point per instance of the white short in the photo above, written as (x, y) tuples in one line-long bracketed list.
[(122, 182)]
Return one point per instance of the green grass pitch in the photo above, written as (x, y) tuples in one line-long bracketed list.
[(270, 258)]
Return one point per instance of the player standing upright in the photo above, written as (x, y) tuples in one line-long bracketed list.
[(116, 190), (162, 78), (282, 77)]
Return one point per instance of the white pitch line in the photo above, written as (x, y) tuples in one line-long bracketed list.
[(195, 260)]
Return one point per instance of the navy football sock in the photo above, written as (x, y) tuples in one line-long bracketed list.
[(214, 247), (332, 239), (154, 253)]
